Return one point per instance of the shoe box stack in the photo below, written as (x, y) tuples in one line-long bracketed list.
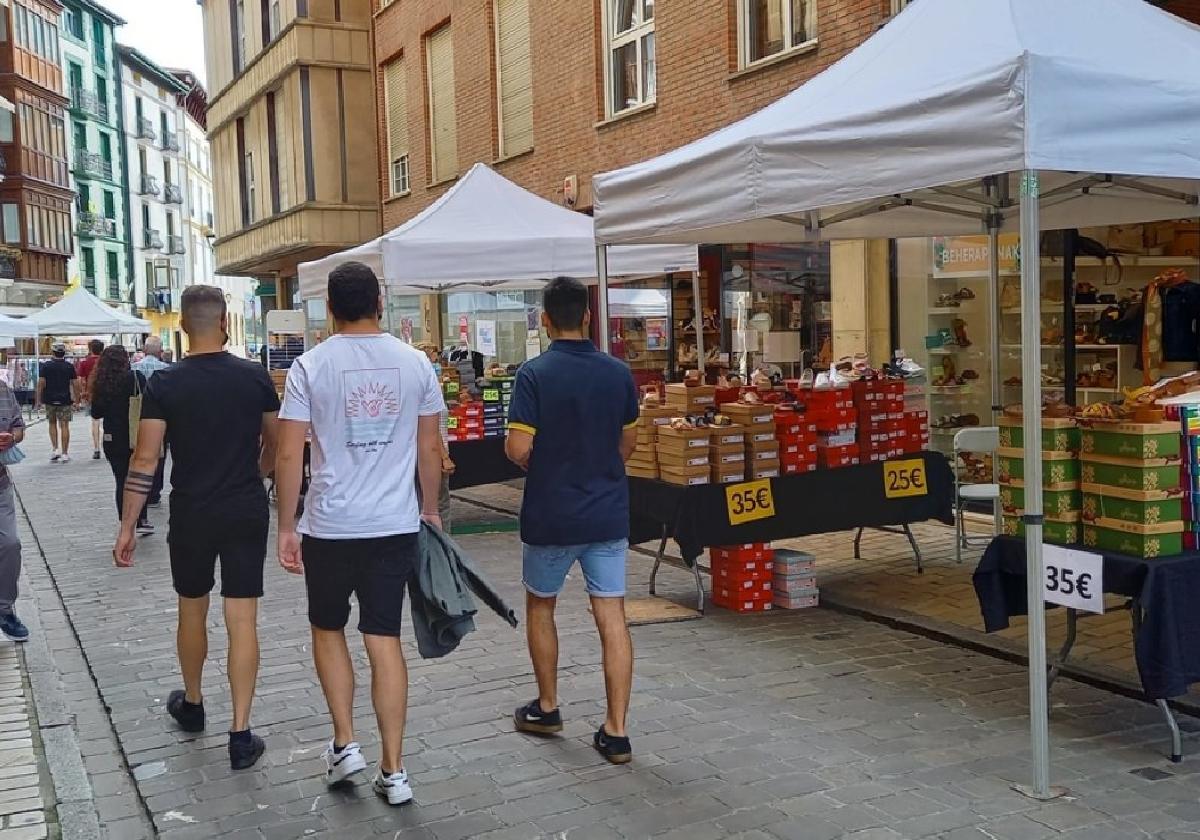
[(1133, 482), (1189, 421), (495, 408), (797, 436), (683, 453), (465, 421), (832, 411), (644, 461), (1061, 472), (794, 582), (743, 577), (727, 454), (879, 405), (916, 431), (761, 446)]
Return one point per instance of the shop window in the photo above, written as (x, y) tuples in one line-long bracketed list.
[(629, 46), (443, 132), (514, 77), (395, 78), (772, 27), (511, 318), (10, 215), (775, 309), (6, 125)]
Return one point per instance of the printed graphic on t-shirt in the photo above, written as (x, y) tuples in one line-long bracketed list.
[(372, 406)]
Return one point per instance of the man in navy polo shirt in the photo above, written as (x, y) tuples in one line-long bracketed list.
[(572, 427)]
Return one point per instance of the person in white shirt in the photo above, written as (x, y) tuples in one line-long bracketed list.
[(373, 405)]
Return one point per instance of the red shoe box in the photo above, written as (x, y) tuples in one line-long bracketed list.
[(752, 590), (731, 575), (742, 554), (472, 410), (837, 456), (797, 445), (798, 468), (742, 605), (827, 399), (834, 420), (790, 424)]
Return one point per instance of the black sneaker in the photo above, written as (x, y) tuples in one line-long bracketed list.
[(616, 750), (531, 718), (96, 455), (189, 716), (14, 628), (245, 749)]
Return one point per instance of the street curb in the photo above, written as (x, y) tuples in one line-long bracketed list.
[(75, 801)]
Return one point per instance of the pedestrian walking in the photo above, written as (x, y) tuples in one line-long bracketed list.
[(85, 369), (448, 467), (58, 390), (12, 432), (572, 425), (219, 413), (373, 406), (151, 363), (113, 386)]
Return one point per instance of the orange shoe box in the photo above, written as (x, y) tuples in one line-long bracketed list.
[(742, 605)]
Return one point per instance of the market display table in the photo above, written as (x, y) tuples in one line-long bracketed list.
[(1162, 592), (810, 503), (479, 462)]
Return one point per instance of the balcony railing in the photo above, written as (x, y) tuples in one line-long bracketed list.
[(150, 185), (114, 289), (158, 300), (90, 163), (174, 244), (93, 224), (173, 194), (170, 143), (152, 239), (145, 129), (88, 102)]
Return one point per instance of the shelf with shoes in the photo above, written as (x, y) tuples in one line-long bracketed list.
[(959, 368)]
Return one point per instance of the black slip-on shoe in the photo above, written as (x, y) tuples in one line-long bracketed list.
[(617, 750), (531, 718), (189, 716), (245, 752)]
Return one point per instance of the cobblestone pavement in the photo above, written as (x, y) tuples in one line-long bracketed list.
[(786, 725), (23, 811)]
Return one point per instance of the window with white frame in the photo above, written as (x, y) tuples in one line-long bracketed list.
[(395, 95), (629, 44), (772, 27)]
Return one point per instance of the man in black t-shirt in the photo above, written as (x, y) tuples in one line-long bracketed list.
[(219, 414), (58, 390)]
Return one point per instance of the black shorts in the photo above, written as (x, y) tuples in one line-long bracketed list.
[(376, 571), (197, 543)]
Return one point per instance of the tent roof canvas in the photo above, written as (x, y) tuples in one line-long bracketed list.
[(17, 327), (82, 313), (947, 93), (486, 234)]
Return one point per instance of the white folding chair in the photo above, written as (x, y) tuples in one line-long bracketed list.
[(978, 439)]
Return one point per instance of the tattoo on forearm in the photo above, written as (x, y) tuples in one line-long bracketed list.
[(139, 483)]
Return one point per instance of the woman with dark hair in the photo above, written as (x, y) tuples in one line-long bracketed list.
[(114, 384)]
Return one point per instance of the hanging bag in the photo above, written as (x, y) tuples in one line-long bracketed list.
[(135, 410)]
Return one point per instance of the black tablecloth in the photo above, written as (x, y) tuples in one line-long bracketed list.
[(481, 462), (812, 503), (1167, 589)]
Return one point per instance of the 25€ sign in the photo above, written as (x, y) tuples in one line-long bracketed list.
[(1074, 579)]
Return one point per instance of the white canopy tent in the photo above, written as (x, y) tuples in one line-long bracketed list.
[(82, 313), (488, 234), (1088, 110), (17, 327)]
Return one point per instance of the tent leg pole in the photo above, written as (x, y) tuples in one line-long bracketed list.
[(1031, 400), (994, 339), (699, 327), (602, 298)]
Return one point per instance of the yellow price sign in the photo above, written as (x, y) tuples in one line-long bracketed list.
[(491, 395), (749, 501), (904, 478), (451, 423)]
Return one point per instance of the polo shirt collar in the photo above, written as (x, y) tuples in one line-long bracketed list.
[(573, 345)]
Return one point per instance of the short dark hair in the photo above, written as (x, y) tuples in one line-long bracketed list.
[(202, 307), (565, 300), (353, 292), (96, 346)]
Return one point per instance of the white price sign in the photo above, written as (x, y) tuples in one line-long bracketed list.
[(1074, 578)]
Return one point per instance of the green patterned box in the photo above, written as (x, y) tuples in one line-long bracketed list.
[(1057, 467), (1137, 507), (1131, 440), (1053, 531), (1058, 434), (1131, 474), (1060, 502), (1136, 540)]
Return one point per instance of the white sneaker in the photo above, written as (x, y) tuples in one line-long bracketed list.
[(65, 459), (394, 788), (54, 456), (144, 529), (340, 766)]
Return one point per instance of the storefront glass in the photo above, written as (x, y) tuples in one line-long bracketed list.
[(775, 308), (639, 314), (504, 326)]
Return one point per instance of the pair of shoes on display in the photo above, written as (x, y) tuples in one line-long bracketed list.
[(342, 763), (532, 719)]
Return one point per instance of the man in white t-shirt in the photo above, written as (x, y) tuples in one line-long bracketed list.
[(373, 406)]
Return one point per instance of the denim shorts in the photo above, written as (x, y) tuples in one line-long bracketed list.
[(545, 568)]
